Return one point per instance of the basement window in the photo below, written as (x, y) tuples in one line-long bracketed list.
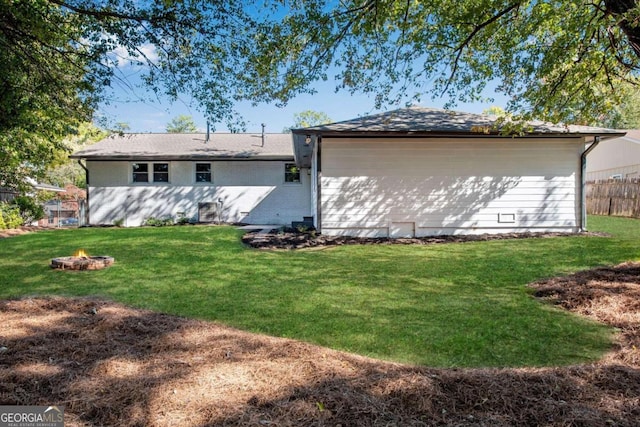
[(291, 173)]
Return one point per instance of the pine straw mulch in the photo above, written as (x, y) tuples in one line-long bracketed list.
[(293, 239), (22, 230), (111, 365)]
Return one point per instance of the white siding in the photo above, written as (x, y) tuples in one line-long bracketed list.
[(382, 187), (252, 192)]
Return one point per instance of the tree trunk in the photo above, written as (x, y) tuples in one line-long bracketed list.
[(631, 29)]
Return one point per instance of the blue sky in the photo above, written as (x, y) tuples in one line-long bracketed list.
[(138, 107)]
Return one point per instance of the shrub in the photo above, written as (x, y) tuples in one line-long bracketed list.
[(118, 222), (183, 220), (29, 208), (158, 222), (10, 216)]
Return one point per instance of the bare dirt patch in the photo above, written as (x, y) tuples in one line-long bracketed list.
[(111, 365)]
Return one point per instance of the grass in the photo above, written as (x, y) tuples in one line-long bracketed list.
[(462, 305)]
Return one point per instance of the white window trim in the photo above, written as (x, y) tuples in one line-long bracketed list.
[(194, 171), (284, 175), (149, 173)]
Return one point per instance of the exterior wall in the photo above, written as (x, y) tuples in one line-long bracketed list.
[(252, 192), (420, 187), (619, 157)]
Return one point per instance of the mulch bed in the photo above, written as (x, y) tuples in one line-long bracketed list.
[(111, 365), (22, 230), (292, 239)]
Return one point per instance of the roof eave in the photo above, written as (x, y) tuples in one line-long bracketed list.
[(449, 134), (148, 158)]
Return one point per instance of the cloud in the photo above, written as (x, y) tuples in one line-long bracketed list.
[(146, 52)]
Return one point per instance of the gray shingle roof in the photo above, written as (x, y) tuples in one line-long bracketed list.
[(180, 146), (426, 122), (416, 120)]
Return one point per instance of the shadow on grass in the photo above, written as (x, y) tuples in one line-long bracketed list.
[(112, 365), (424, 305)]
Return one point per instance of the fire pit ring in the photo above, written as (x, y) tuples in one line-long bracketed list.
[(82, 262)]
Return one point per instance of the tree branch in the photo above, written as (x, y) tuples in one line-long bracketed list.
[(333, 45), (470, 37)]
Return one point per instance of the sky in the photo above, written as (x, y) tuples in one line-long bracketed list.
[(143, 112)]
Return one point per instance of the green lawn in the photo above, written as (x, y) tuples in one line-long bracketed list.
[(443, 305)]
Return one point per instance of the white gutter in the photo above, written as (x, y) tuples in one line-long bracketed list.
[(86, 179), (583, 184)]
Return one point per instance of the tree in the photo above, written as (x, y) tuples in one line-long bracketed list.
[(182, 124), (308, 118), (626, 115), (121, 127), (57, 56), (43, 97), (555, 60), (62, 170)]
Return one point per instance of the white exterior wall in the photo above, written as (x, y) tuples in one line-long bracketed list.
[(422, 187), (252, 192)]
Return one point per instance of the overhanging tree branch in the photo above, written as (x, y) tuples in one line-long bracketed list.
[(465, 43)]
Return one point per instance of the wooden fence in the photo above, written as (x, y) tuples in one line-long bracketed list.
[(614, 197), (7, 195)]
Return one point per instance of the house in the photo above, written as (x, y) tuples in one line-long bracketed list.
[(232, 178), (619, 158), (59, 213), (421, 171), (66, 209), (409, 172), (8, 194)]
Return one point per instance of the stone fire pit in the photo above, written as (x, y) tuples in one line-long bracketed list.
[(81, 261)]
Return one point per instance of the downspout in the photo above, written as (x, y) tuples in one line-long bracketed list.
[(86, 178), (318, 184), (583, 183)]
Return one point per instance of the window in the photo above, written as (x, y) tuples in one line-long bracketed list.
[(291, 173), (203, 172), (161, 172), (140, 172)]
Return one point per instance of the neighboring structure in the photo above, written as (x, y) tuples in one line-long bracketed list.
[(58, 213), (420, 171), (410, 172), (67, 209), (234, 178), (619, 158), (8, 194)]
